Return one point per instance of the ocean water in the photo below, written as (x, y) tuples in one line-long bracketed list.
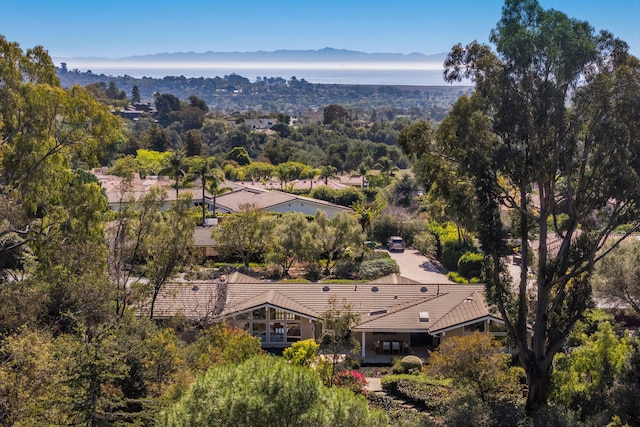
[(413, 74)]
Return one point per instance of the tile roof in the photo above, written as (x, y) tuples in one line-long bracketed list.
[(264, 199), (469, 308), (393, 303), (272, 298), (242, 193), (395, 279)]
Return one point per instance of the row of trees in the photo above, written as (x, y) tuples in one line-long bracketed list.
[(343, 146), (315, 243)]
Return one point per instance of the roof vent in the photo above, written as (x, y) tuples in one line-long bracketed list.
[(468, 299), (374, 289), (377, 312), (195, 288), (424, 316), (326, 289), (423, 289)]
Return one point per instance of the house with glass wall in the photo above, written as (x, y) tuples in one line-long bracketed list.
[(396, 315)]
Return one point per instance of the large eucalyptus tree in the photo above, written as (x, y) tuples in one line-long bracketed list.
[(552, 129)]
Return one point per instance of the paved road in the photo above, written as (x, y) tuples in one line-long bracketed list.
[(415, 266)]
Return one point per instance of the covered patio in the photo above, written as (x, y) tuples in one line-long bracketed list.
[(382, 346), (384, 358)]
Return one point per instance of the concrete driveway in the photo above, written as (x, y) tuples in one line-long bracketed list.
[(415, 266)]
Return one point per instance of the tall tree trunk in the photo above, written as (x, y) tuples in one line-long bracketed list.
[(538, 381), (153, 304), (204, 211)]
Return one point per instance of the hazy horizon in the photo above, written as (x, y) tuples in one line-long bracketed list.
[(328, 66), (123, 28), (412, 74)]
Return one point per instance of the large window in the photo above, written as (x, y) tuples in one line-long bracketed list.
[(270, 324), (497, 328), (474, 327)]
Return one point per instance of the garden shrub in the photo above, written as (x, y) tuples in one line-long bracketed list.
[(377, 268), (348, 196), (470, 264), (353, 380), (450, 245), (467, 410), (411, 364), (426, 243), (301, 353), (386, 225), (267, 391), (345, 268), (420, 391), (396, 366), (381, 401), (410, 229), (399, 415), (372, 255), (456, 278), (345, 197), (452, 250)]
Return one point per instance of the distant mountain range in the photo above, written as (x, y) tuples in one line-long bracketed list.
[(320, 55)]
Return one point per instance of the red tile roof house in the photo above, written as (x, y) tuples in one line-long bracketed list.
[(397, 315), (275, 201), (270, 201), (241, 194)]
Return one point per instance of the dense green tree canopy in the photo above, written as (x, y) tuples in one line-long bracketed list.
[(267, 392), (582, 377), (335, 113), (51, 215), (245, 234), (476, 361), (291, 241), (336, 235)]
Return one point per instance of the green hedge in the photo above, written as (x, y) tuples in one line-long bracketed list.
[(427, 395), (470, 264), (345, 197), (377, 268), (450, 247)]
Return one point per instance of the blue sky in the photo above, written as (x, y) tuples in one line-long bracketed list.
[(136, 27)]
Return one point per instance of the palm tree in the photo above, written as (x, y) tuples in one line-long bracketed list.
[(214, 187), (387, 167), (367, 212), (175, 168), (207, 170), (327, 172), (362, 170)]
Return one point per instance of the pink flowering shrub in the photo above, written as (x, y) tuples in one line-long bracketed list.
[(353, 380)]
